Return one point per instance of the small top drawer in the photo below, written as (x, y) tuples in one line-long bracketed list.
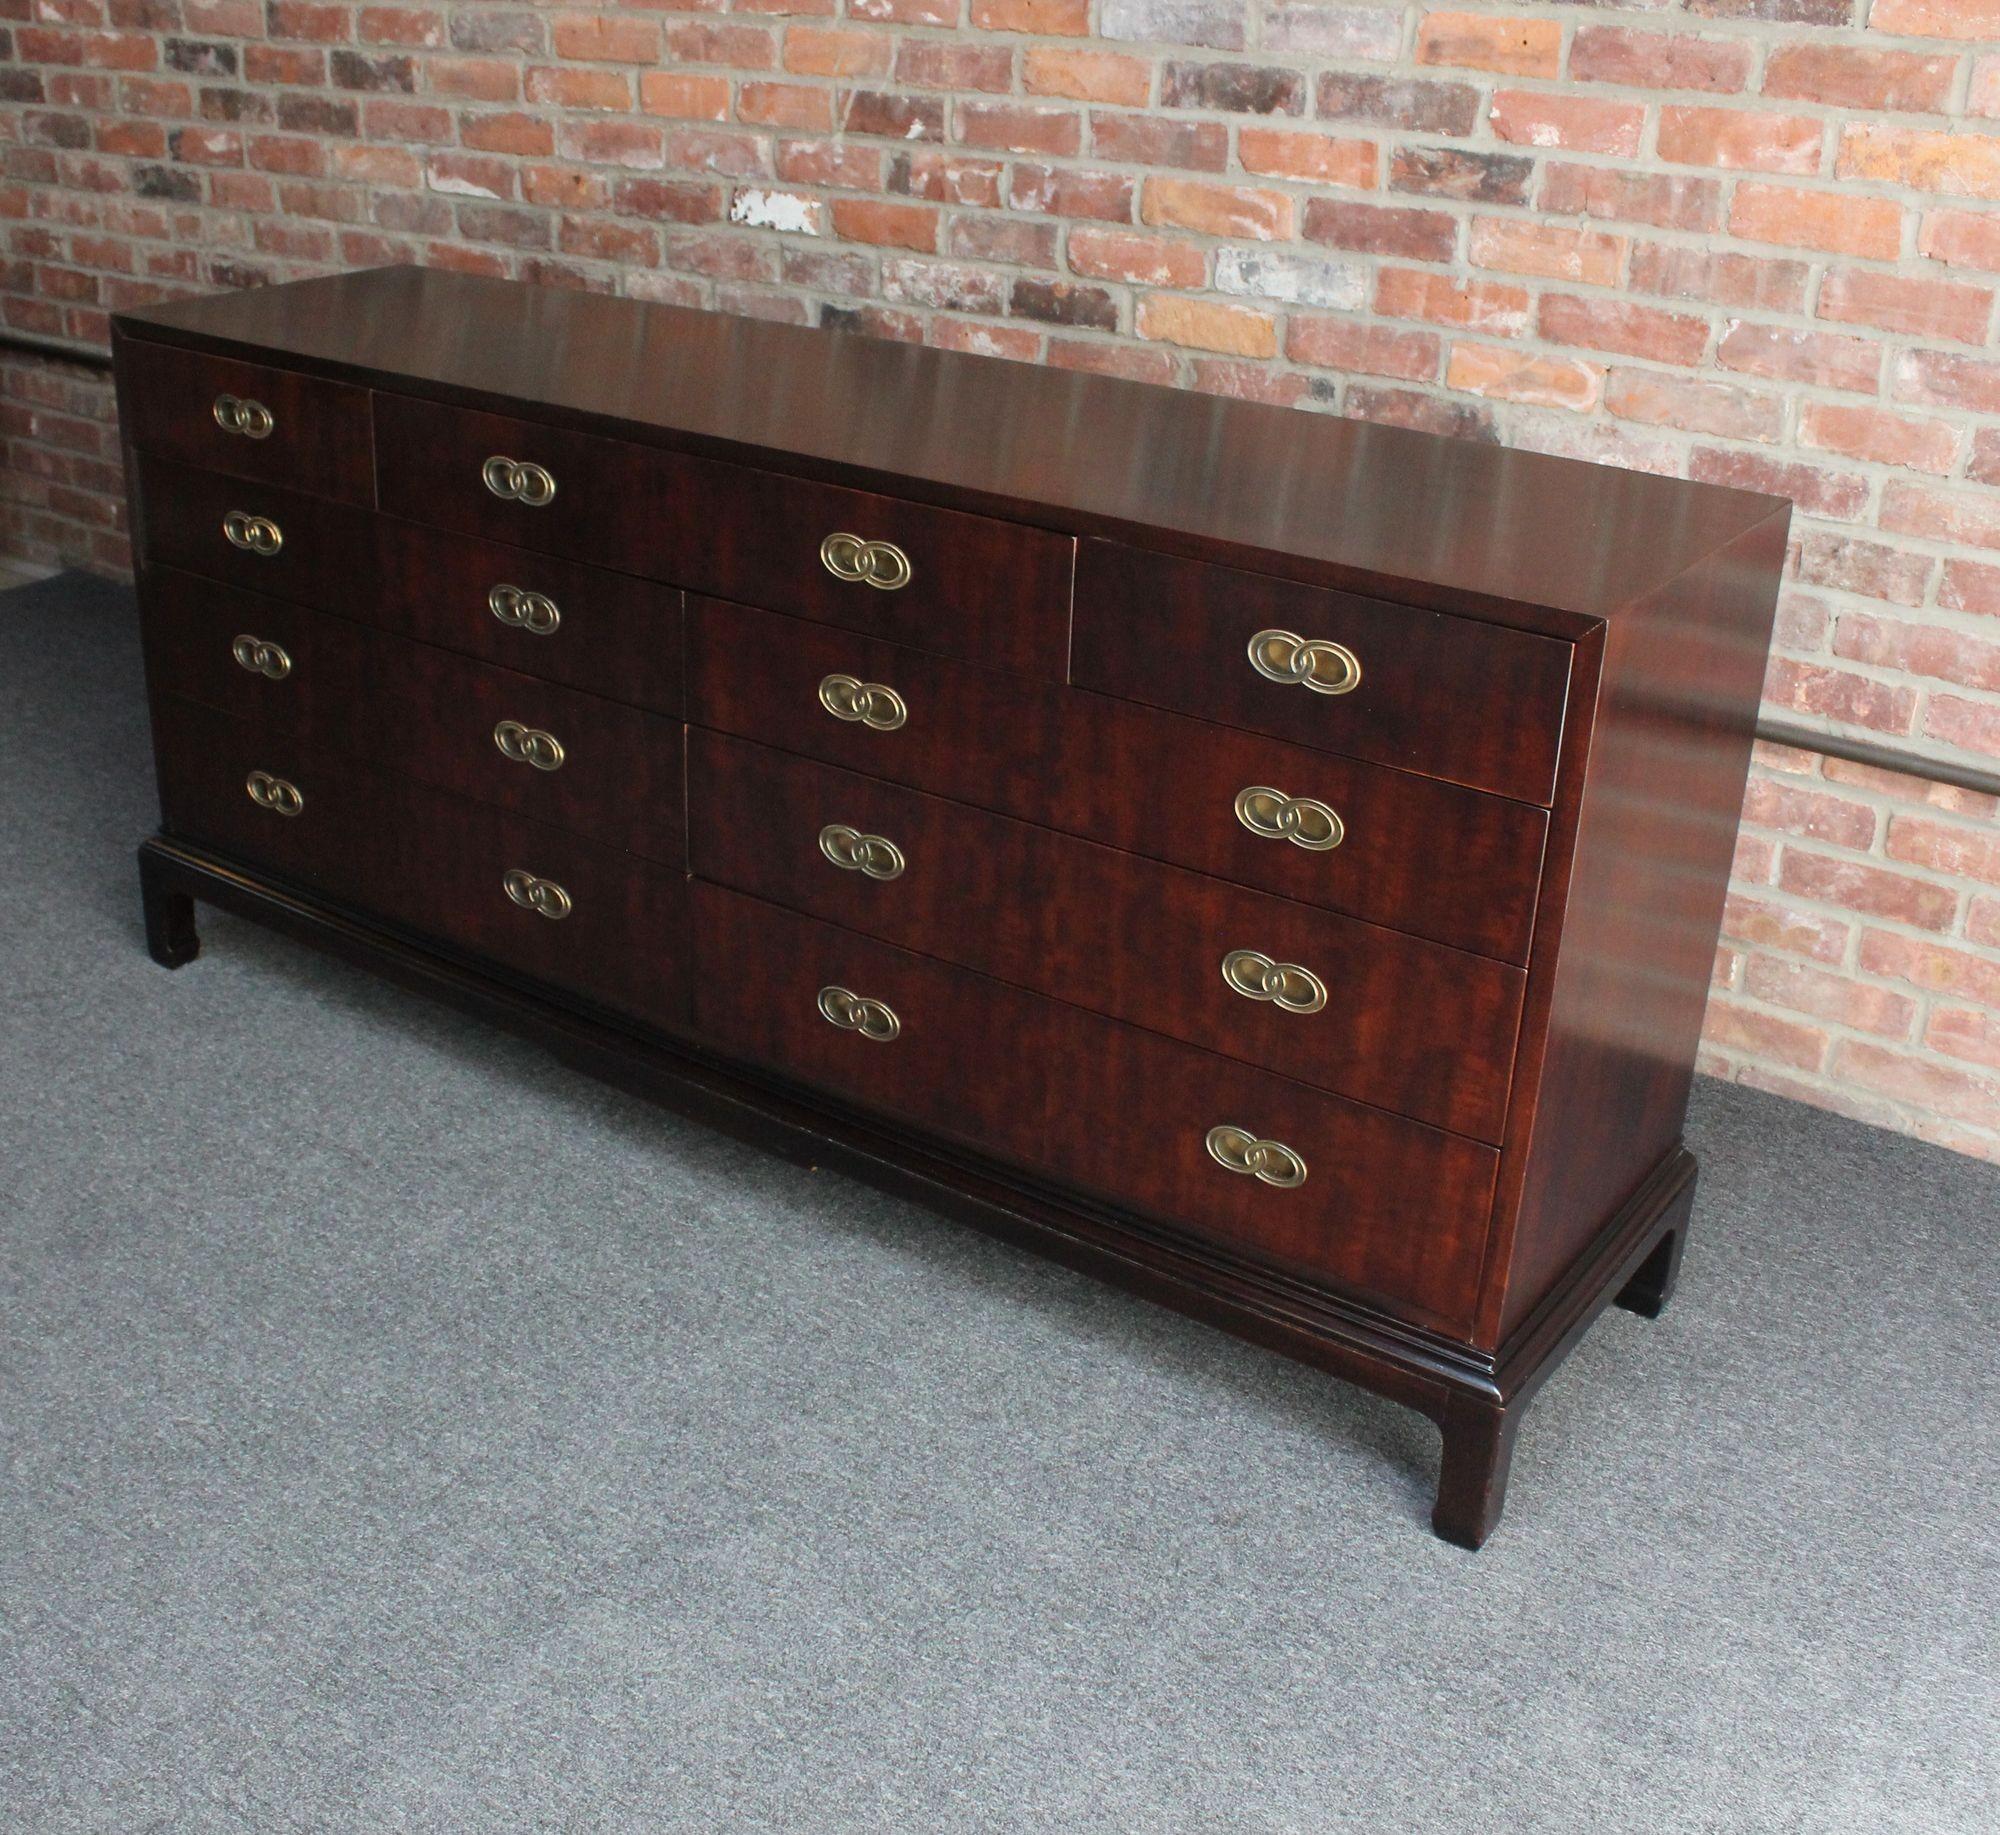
[(935, 579), (1472, 703), (249, 420)]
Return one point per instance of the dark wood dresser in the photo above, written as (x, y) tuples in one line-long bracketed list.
[(1271, 861)]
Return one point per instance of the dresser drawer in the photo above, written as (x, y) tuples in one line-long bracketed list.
[(965, 585), (880, 1027), (401, 709), (1472, 703), (247, 419), (1393, 1210), (1408, 852), (607, 633), (433, 863), (1403, 1023), (256, 535)]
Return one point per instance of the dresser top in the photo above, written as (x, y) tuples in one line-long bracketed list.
[(1550, 543)]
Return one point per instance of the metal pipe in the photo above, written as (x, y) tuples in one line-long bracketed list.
[(63, 350)]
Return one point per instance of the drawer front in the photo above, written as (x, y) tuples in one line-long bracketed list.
[(1452, 698), (605, 633), (246, 419), (399, 709), (431, 862), (1395, 1211), (300, 548), (880, 1027), (1409, 852), (1403, 1023), (936, 579)]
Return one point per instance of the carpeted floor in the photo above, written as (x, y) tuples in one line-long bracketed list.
[(401, 1432)]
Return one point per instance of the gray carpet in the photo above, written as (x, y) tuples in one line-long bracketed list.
[(401, 1432)]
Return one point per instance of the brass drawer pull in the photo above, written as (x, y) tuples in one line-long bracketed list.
[(1304, 821), (1272, 1162), (518, 481), (274, 794), (532, 893), (1285, 984), (1317, 663), (253, 534), (853, 1013), (250, 418), (529, 745), (879, 564), (869, 702), (525, 611), (261, 657), (875, 855)]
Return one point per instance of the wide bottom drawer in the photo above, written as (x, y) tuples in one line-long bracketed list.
[(1330, 1190), (535, 899)]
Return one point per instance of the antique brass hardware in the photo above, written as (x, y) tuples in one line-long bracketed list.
[(261, 657), (250, 418), (518, 481), (879, 564), (533, 893), (274, 794), (253, 534), (525, 611), (1304, 821), (529, 745), (1317, 663), (871, 703), (874, 855), (1285, 984), (852, 1012), (1272, 1162)]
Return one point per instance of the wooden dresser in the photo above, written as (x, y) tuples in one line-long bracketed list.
[(1271, 861)]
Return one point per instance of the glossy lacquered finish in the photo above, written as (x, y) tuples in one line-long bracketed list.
[(976, 587), (1130, 776), (1269, 861)]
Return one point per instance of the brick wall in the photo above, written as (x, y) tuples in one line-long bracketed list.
[(1748, 240)]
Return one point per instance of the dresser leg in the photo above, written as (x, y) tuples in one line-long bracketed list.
[(1652, 1282), (1472, 1479), (170, 933)]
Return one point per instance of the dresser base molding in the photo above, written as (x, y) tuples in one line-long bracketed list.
[(1475, 1399)]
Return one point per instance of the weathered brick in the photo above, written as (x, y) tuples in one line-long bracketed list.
[(1829, 360), (1216, 24), (1771, 925), (1515, 375), (1835, 997), (1062, 302), (1877, 434), (1745, 139), (1415, 105), (1491, 307), (818, 50), (1537, 118), (1766, 1035), (1154, 261), (1298, 280), (1928, 309), (1851, 563), (1617, 325), (1659, 60), (1975, 725), (1516, 47), (1037, 18), (1347, 32), (1145, 140), (1112, 360), (1170, 318), (1368, 350), (1070, 191), (1665, 200), (1854, 76), (601, 38), (1416, 235), (1013, 127), (1839, 694), (1871, 891), (1217, 210), (1970, 19), (895, 225), (687, 98), (1718, 408), (1945, 516), (870, 111), (1320, 158), (1517, 246), (1757, 282), (1459, 172), (1240, 89), (1087, 76), (924, 172), (1955, 165), (1839, 222)]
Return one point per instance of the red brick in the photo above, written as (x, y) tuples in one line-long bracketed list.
[(1416, 235), (1087, 76), (1491, 307), (938, 177), (421, 29), (924, 63), (1959, 1032), (1524, 376), (1946, 379), (1851, 76), (1875, 433), (1915, 1081), (1764, 1034), (1848, 563), (1516, 47), (1775, 926), (1954, 165), (596, 38), (525, 135), (1369, 350), (1067, 191), (1970, 586), (1966, 853), (1012, 127), (1936, 968), (1154, 261), (1549, 249), (1962, 238), (473, 79), (1616, 325), (1250, 382), (1975, 725), (1717, 408), (1837, 221), (1218, 210), (579, 88), (1945, 516), (1665, 200), (812, 50), (1923, 308), (784, 105), (1838, 998), (1740, 138), (1971, 19), (832, 162), (687, 98), (1146, 140), (1319, 158), (1658, 60), (1874, 891), (1838, 694), (1758, 282), (1011, 341), (1825, 359), (1206, 325), (1808, 815), (1035, 18), (894, 225), (705, 41), (1111, 360), (1586, 124)]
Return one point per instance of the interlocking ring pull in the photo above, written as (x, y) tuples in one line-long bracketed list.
[(874, 855), (1272, 1162), (879, 564), (852, 1012), (871, 703), (524, 611), (1285, 984), (251, 419), (533, 893), (261, 657), (253, 534), (518, 481), (1302, 820), (1316, 663), (274, 794), (529, 745)]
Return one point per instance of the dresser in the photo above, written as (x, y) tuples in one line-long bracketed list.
[(1269, 861)]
